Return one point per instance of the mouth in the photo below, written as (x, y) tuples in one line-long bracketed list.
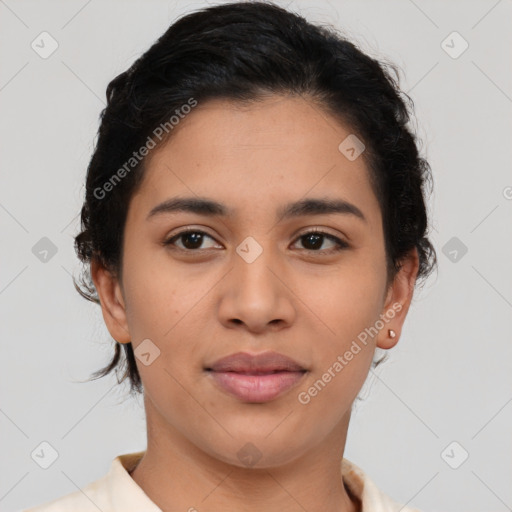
[(256, 378)]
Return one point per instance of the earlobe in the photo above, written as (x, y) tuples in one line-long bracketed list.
[(398, 300), (112, 302)]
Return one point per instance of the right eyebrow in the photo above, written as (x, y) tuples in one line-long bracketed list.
[(201, 206)]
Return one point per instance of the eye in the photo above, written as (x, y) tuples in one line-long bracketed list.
[(191, 239), (314, 240)]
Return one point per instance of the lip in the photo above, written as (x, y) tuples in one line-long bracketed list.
[(264, 362), (256, 377)]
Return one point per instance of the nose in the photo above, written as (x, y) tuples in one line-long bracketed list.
[(256, 296)]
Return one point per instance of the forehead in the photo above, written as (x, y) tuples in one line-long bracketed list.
[(277, 149)]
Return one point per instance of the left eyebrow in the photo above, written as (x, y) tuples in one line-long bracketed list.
[(208, 207), (320, 207)]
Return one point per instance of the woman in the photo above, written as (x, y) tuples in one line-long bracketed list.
[(255, 226)]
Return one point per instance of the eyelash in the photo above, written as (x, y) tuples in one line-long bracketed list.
[(340, 244)]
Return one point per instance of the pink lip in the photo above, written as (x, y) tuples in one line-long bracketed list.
[(264, 362), (256, 378), (256, 388)]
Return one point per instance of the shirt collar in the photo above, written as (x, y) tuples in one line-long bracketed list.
[(125, 494)]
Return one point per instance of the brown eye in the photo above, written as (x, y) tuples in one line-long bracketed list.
[(314, 240), (190, 239)]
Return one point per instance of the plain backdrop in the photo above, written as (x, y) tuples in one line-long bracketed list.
[(446, 392)]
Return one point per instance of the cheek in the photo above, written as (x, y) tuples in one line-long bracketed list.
[(348, 350), (347, 300), (166, 306), (344, 353), (156, 296), (349, 306)]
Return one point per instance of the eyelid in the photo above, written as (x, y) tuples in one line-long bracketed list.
[(322, 231), (170, 239), (340, 241)]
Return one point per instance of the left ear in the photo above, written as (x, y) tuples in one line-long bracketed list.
[(398, 300)]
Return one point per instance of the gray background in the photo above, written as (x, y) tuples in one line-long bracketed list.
[(449, 379)]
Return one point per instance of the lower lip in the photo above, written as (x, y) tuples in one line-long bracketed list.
[(256, 388)]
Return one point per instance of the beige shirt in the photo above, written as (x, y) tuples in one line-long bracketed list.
[(118, 492)]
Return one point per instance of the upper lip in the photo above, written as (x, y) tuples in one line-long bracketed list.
[(262, 362)]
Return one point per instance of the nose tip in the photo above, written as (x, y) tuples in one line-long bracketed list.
[(255, 298)]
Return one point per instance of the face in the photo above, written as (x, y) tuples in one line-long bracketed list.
[(254, 280)]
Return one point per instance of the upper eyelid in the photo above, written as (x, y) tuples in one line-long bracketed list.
[(190, 230)]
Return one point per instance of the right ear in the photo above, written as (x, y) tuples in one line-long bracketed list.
[(112, 302)]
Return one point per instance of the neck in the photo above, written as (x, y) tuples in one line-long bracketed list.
[(176, 475)]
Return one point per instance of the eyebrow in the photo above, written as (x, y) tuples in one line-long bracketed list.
[(208, 207)]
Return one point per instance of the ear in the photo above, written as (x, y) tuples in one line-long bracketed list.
[(398, 299), (112, 302)]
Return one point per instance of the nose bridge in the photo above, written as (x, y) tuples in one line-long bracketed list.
[(253, 261), (254, 295)]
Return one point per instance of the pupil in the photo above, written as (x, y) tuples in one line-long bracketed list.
[(317, 240), (196, 240)]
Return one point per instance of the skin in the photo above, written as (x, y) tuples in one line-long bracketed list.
[(306, 303)]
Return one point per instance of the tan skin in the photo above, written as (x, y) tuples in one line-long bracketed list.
[(200, 304)]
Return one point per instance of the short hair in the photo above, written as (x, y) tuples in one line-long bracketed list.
[(245, 51)]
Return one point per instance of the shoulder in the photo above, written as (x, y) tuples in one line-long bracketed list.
[(372, 498), (116, 490), (89, 499)]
